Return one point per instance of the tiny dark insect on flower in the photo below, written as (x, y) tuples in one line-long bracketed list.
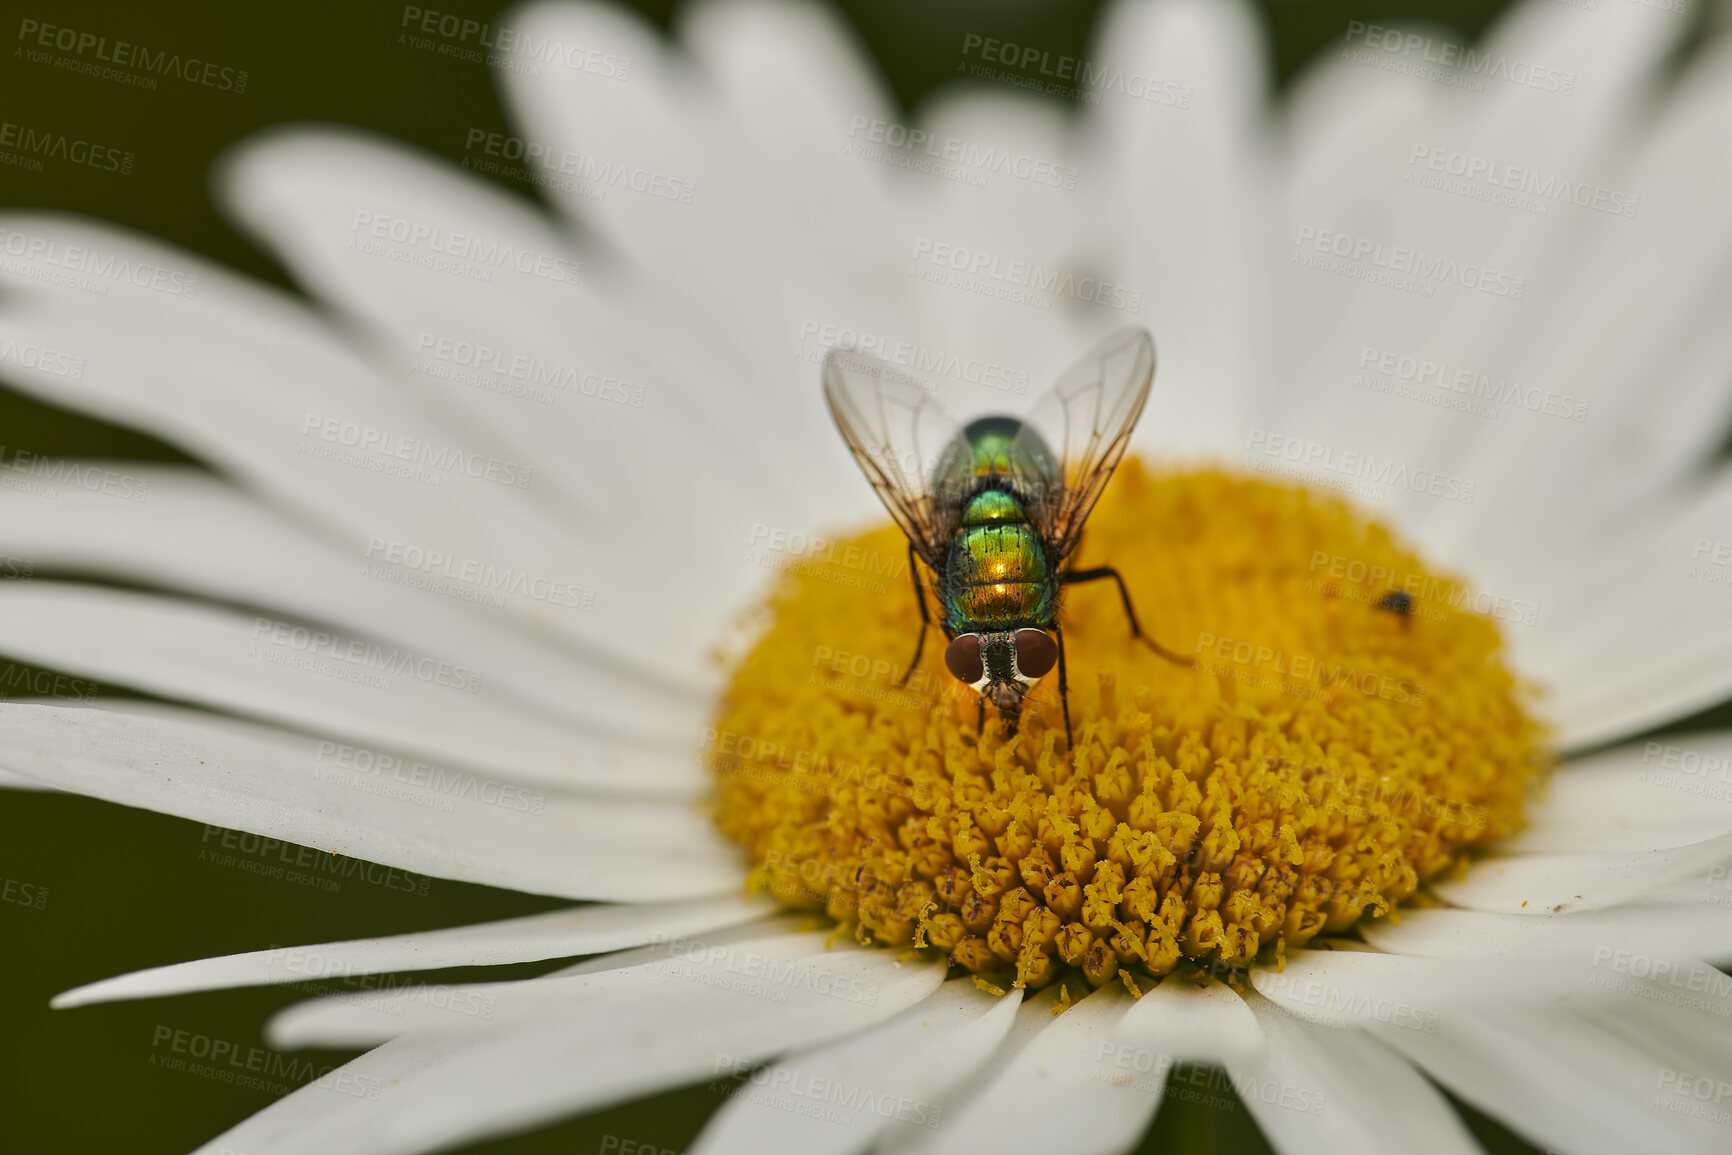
[(1398, 602)]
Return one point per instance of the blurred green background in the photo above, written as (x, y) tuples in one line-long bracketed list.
[(92, 889)]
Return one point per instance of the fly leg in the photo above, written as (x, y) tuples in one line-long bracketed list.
[(925, 618), (1063, 688), (1078, 576), (980, 718)]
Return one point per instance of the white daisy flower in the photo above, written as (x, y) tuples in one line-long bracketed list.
[(480, 514)]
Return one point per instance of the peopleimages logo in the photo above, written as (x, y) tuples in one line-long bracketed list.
[(89, 262), (122, 54), (274, 858), (1313, 455), (817, 1097), (432, 242), (1326, 1004), (591, 171), (20, 893), (1518, 186), (1373, 258), (384, 770), (1470, 383), (299, 647), (714, 964), (33, 473), (1030, 67), (1124, 1065), (483, 366), (1022, 279), (1691, 762), (1431, 58), (1369, 582), (22, 680), (461, 31), (40, 143), (966, 154), (918, 358), (33, 356), (255, 1067), (483, 575), (429, 454), (1304, 675)]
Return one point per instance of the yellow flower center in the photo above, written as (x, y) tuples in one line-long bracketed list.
[(1325, 753)]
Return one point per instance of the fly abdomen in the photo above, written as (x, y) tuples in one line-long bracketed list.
[(997, 576)]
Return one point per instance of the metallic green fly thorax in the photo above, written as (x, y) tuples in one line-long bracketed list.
[(992, 448)]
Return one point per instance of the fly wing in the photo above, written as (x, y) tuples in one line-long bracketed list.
[(897, 431), (1086, 422)]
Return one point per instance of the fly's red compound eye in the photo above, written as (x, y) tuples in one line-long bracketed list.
[(1036, 652), (962, 658)]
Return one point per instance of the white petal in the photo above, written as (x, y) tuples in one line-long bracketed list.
[(1184, 185), (807, 96), (1699, 929), (1342, 988), (554, 934), (1635, 797), (1065, 1090), (1559, 1081), (1006, 221), (372, 693), (195, 533), (622, 419), (251, 380), (1608, 63), (12, 780), (1676, 1009), (1622, 339), (1345, 126), (728, 279), (432, 1096), (292, 788), (1680, 1003), (1192, 1024), (374, 1080), (298, 190), (1653, 659), (1540, 883), (746, 960), (900, 1069), (1318, 1091)]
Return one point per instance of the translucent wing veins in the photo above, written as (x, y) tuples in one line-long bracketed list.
[(1087, 419), (896, 431)]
